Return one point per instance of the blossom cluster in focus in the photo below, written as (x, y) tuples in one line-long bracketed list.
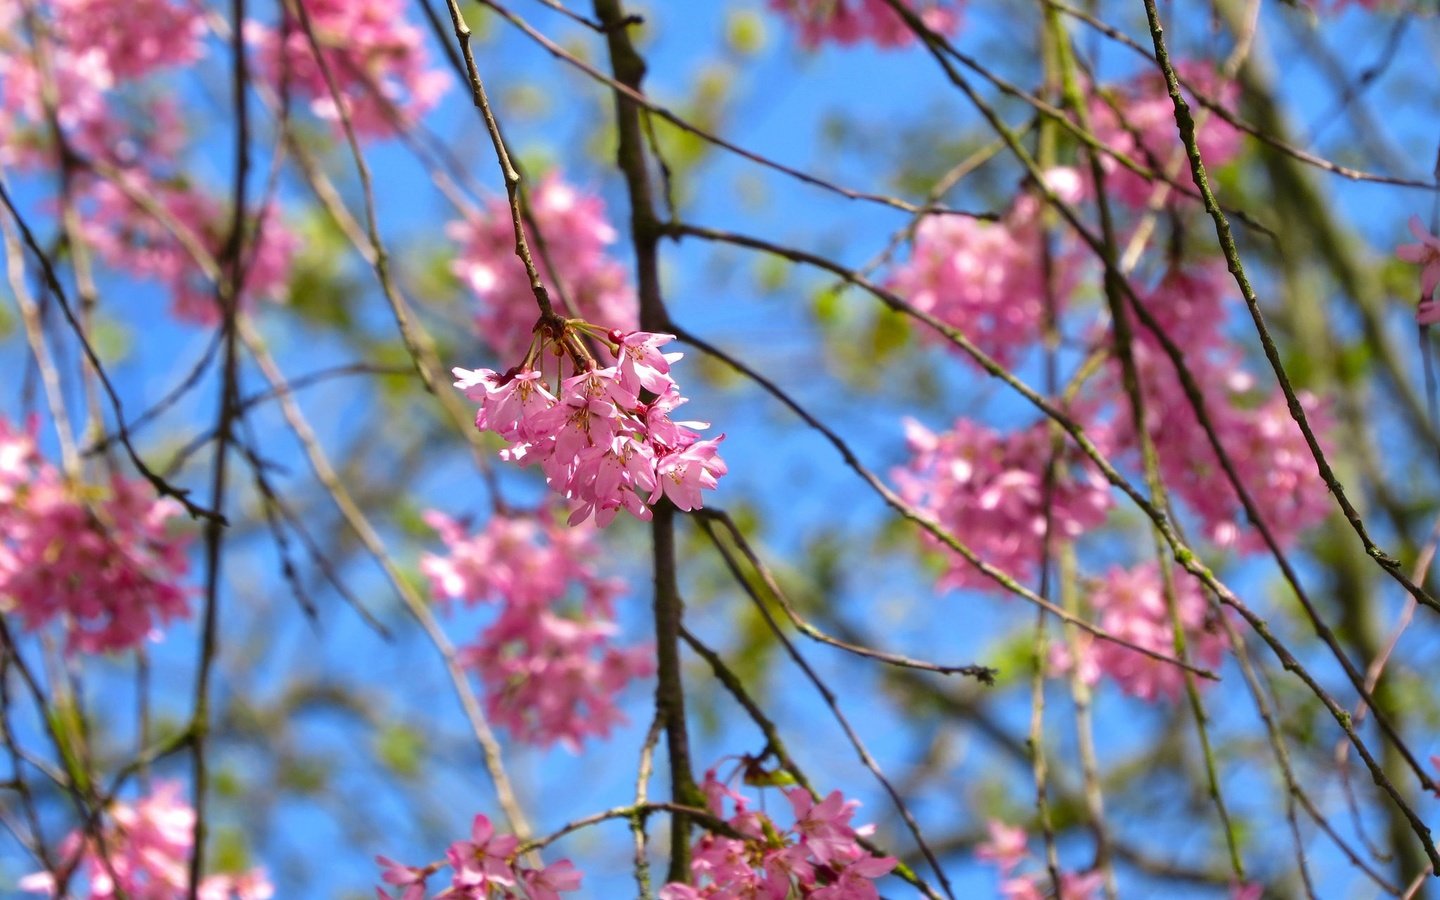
[(819, 856), (485, 867), (601, 446)]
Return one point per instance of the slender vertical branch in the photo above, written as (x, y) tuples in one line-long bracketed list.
[(629, 70), (227, 295)]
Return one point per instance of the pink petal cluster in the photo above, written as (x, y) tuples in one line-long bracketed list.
[(485, 867), (144, 855), (576, 235), (136, 37), (375, 56), (988, 490), (547, 660), (600, 446), (849, 22), (985, 278), (103, 563), (1130, 604), (81, 79), (819, 856), (1265, 445), (128, 237), (94, 47), (1147, 134), (1426, 254), (1006, 849)]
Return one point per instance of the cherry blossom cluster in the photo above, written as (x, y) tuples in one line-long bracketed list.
[(988, 491), (375, 56), (136, 37), (1130, 604), (95, 48), (546, 660), (571, 249), (849, 22), (486, 867), (92, 50), (144, 852), (819, 856), (1137, 120), (102, 562), (986, 278), (133, 239), (1263, 443), (601, 446)]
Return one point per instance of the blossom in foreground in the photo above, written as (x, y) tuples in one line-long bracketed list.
[(570, 244), (818, 856), (548, 661), (988, 491), (601, 446), (1131, 605), (376, 58), (144, 852), (100, 561), (852, 21), (485, 867)]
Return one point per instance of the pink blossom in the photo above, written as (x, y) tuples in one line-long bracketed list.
[(1131, 605), (682, 474), (851, 21), (550, 666), (1148, 136), (102, 561), (411, 878), (598, 444), (1005, 848), (488, 865), (818, 856), (574, 260), (1267, 449), (81, 80), (1073, 886), (137, 36), (1426, 254), (146, 851), (485, 860), (640, 362), (132, 239), (548, 883), (988, 490), (375, 56), (984, 278)]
